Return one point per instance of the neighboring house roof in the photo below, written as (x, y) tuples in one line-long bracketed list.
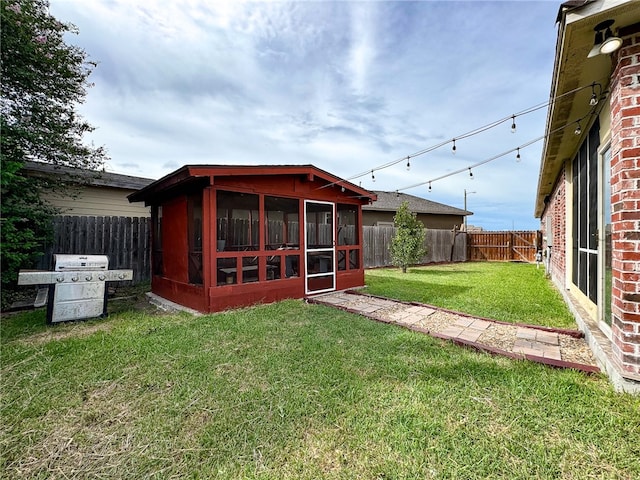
[(572, 70), (88, 177), (391, 201), (190, 173)]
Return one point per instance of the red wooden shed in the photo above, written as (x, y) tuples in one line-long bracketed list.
[(229, 236)]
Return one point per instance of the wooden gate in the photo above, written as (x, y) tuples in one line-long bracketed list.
[(504, 246)]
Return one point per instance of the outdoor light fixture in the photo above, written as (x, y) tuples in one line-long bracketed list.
[(408, 164), (453, 149), (513, 124), (470, 173), (604, 42), (518, 158), (429, 186)]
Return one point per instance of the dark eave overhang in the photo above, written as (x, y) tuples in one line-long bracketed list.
[(572, 70), (85, 177), (187, 175)]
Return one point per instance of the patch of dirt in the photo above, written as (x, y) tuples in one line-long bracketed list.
[(131, 298), (67, 330), (576, 350)]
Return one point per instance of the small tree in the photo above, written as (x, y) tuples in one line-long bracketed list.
[(43, 81), (407, 246)]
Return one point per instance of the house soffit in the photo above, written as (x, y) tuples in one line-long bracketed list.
[(572, 71)]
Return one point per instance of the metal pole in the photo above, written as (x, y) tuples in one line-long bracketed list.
[(465, 208)]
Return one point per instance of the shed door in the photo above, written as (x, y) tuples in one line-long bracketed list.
[(319, 221)]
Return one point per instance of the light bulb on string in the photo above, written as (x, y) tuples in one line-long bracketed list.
[(397, 194), (470, 173), (599, 95), (408, 163), (373, 177), (578, 130), (429, 186), (342, 189), (513, 124), (518, 158), (594, 99)]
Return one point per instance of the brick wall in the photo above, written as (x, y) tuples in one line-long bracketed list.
[(625, 191), (555, 215)]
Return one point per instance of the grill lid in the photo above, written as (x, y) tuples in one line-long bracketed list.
[(62, 262)]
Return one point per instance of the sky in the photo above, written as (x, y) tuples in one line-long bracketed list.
[(347, 86)]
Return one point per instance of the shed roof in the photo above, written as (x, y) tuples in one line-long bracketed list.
[(190, 173), (391, 201)]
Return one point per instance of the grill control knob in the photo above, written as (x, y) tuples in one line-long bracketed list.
[(88, 278), (101, 277), (74, 278), (60, 278)]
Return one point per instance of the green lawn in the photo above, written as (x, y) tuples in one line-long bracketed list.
[(511, 292), (294, 391)]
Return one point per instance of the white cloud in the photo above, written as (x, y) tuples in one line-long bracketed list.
[(347, 86), (362, 50)]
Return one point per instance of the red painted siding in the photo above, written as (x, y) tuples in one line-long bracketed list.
[(174, 239), (265, 286)]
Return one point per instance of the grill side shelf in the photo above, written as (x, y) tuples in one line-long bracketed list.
[(40, 277)]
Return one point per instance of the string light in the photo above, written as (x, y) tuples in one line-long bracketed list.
[(480, 130), (470, 173), (518, 155), (578, 130), (408, 163), (397, 194), (373, 177), (513, 124), (429, 186), (594, 99), (342, 189), (500, 155)]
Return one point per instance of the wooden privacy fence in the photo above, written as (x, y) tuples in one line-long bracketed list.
[(504, 246), (441, 245), (125, 240)]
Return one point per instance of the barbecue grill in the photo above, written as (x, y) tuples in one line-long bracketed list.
[(76, 286)]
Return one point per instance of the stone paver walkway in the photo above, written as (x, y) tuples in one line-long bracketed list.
[(557, 347)]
